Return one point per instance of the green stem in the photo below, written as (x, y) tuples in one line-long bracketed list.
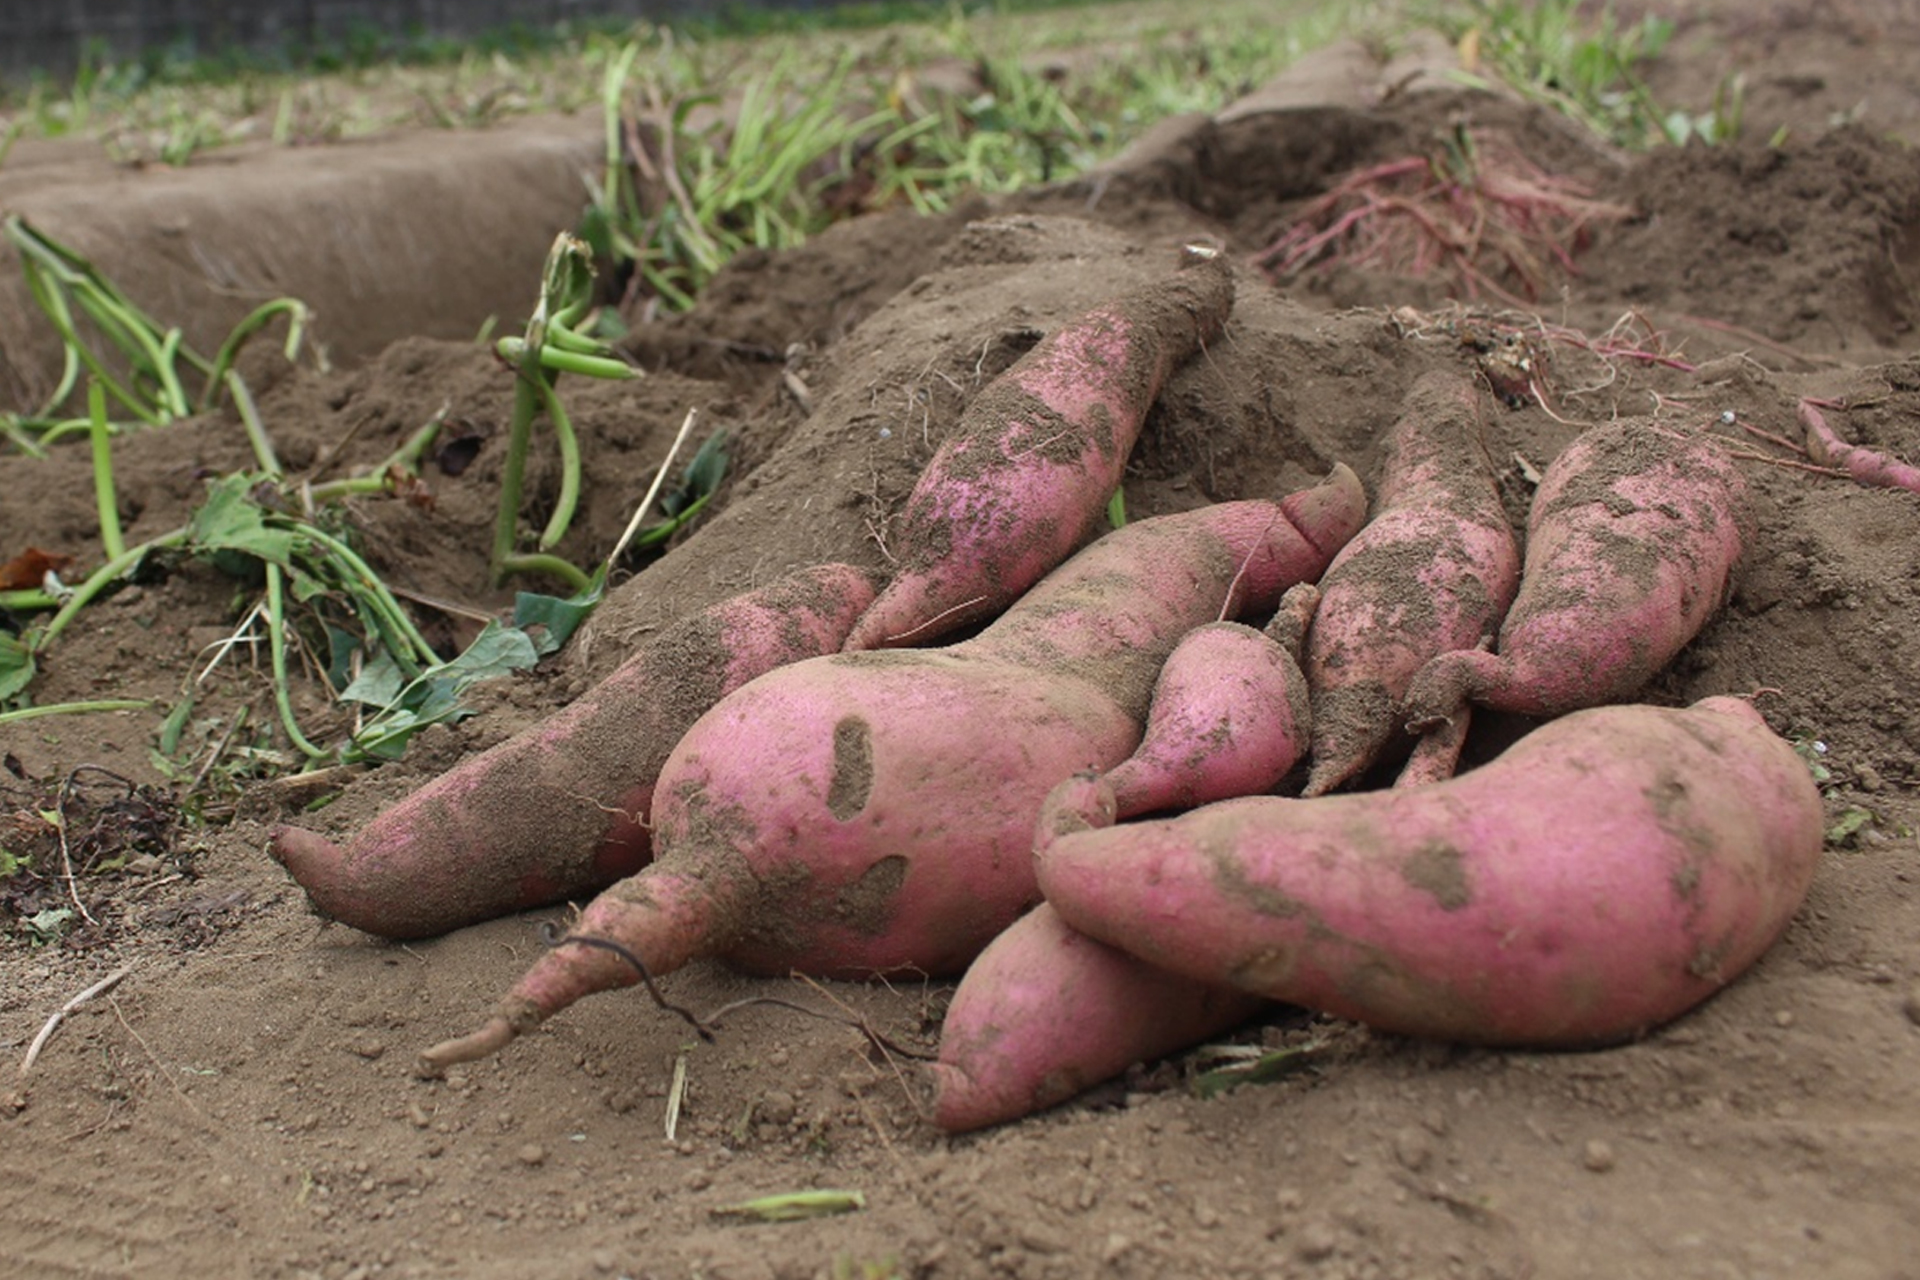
[(254, 321), (84, 594), (369, 584), (405, 459), (526, 400), (54, 303), (256, 430), (31, 600), (73, 709), (103, 491), (277, 647), (576, 580), (569, 467)]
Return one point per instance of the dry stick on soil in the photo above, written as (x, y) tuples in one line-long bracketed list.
[(59, 1016)]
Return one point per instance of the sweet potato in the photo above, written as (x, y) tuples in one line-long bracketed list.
[(874, 811), (1632, 543), (1230, 716), (561, 809), (1037, 454), (1044, 1012), (1609, 871), (1432, 572)]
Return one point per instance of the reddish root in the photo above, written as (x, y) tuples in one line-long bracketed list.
[(1865, 466), (1483, 211)]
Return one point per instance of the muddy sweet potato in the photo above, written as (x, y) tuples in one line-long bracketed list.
[(1632, 542), (1044, 1012), (1434, 571), (561, 809), (1611, 870), (1035, 457), (874, 811)]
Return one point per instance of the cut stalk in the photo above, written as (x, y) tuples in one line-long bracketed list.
[(101, 434)]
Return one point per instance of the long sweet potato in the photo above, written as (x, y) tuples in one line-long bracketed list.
[(874, 811), (1036, 455), (1433, 571), (561, 809), (1608, 872), (1632, 544)]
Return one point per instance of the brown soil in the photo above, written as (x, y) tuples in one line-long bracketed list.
[(242, 1103)]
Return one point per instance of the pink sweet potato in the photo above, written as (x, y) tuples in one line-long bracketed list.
[(1046, 1013), (1432, 572), (561, 809), (1608, 872), (1230, 717), (1034, 459), (1632, 544), (874, 811)]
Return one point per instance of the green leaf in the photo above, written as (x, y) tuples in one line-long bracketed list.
[(556, 618), (175, 725), (10, 862), (1257, 1068), (1852, 820), (16, 666), (48, 925), (378, 684), (794, 1206), (230, 520), (433, 697)]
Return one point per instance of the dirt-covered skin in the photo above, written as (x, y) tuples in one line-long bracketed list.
[(1632, 542), (1433, 571), (243, 1103), (1608, 872), (561, 809)]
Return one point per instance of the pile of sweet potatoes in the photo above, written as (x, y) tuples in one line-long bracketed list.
[(816, 797)]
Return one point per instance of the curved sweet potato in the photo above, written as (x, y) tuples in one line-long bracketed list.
[(1608, 872), (875, 810), (1036, 455), (561, 808), (1230, 717), (1432, 572), (1632, 543)]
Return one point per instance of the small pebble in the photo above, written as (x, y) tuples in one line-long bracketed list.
[(1315, 1242), (531, 1154), (1597, 1156), (368, 1049), (1911, 1005), (1412, 1150), (1783, 1018)]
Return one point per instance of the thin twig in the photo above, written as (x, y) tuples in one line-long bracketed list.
[(59, 1016)]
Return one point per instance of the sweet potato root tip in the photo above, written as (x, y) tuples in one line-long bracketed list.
[(493, 1036), (560, 808)]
